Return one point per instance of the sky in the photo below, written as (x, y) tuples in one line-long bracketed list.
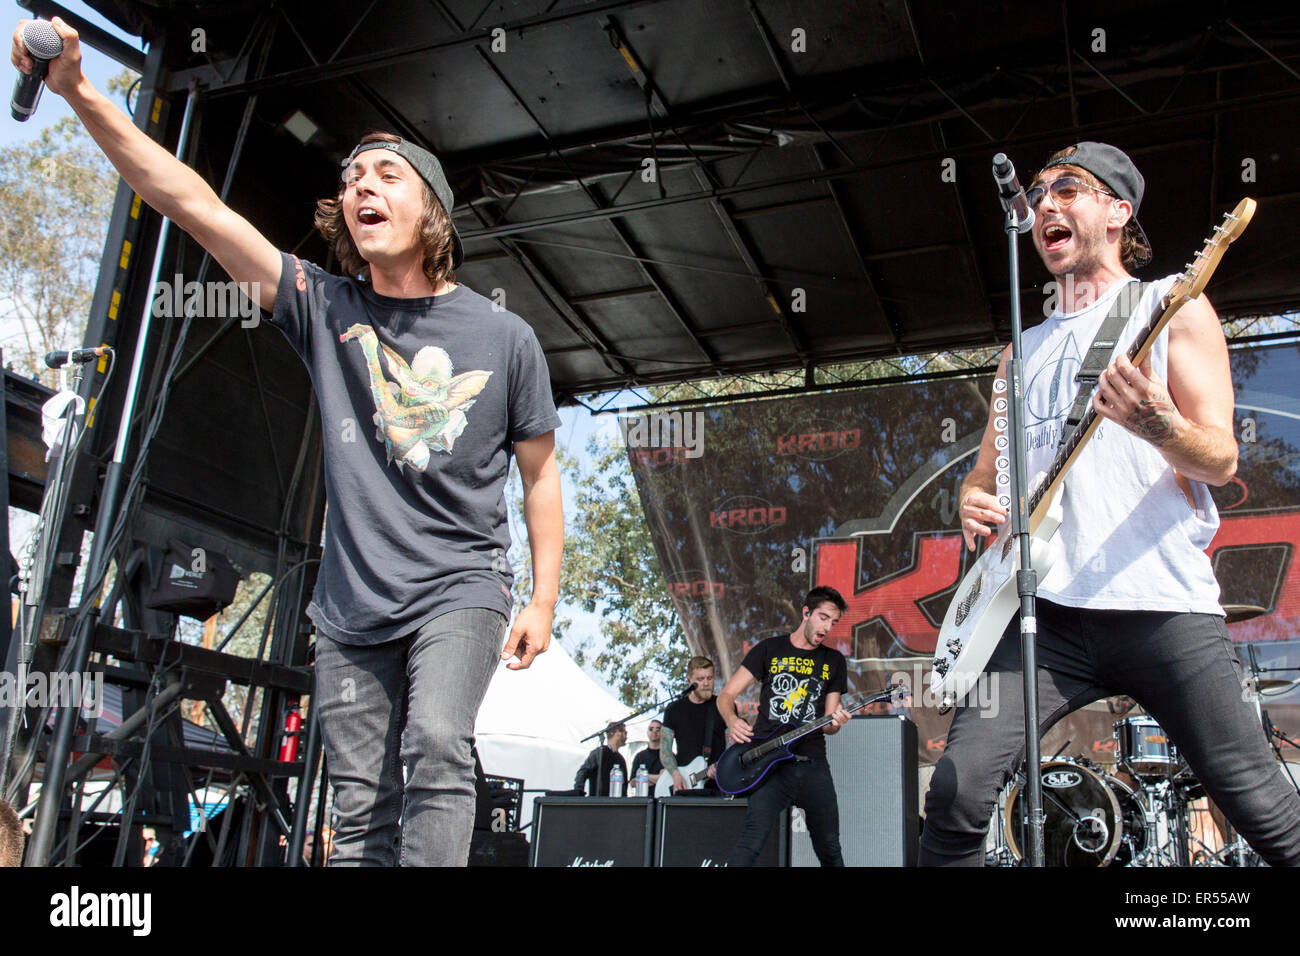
[(577, 423)]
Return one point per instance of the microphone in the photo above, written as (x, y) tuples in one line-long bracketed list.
[(1012, 194), (43, 44), (75, 356), (689, 689)]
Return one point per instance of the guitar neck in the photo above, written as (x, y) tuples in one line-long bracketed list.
[(1068, 453), (790, 736), (1187, 287)]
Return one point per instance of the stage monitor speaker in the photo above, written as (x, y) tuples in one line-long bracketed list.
[(701, 832), (873, 762), (593, 831)]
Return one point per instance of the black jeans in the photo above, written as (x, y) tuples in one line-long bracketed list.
[(1182, 668), (802, 783)]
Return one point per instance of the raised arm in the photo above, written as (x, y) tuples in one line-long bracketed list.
[(161, 180)]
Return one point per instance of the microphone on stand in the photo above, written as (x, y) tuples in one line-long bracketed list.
[(1012, 194), (694, 685), (43, 44), (75, 356)]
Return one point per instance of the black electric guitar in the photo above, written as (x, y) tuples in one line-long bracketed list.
[(742, 767)]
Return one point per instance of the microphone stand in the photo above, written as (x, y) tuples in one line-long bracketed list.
[(58, 757), (1026, 577), (600, 757)]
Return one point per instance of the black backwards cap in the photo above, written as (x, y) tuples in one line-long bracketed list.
[(430, 170), (1115, 171)]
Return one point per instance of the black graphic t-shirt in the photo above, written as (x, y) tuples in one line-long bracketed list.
[(794, 687), (421, 401)]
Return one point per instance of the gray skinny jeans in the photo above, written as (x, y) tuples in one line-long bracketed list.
[(1182, 668), (411, 703)]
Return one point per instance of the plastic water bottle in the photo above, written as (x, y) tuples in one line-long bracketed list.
[(616, 781), (643, 781)]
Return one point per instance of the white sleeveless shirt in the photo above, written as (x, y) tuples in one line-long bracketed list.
[(1132, 541)]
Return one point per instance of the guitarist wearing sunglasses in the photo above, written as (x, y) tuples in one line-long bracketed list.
[(800, 679), (1131, 606)]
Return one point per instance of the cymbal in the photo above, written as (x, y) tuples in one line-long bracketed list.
[(1242, 612), (1268, 685)]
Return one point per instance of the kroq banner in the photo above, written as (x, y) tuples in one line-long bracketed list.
[(857, 489)]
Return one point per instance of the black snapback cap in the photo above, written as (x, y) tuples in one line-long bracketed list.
[(430, 170), (1116, 172)]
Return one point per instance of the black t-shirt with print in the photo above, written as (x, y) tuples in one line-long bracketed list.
[(421, 402), (794, 687)]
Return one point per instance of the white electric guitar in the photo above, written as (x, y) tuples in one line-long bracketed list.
[(987, 600), (696, 774)]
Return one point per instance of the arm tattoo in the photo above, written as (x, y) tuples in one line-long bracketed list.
[(1152, 420), (666, 751)]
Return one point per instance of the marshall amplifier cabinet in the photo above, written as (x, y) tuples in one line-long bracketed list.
[(873, 762), (593, 831), (700, 832)]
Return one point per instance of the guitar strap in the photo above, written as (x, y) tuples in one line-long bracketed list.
[(1099, 353), (707, 748)]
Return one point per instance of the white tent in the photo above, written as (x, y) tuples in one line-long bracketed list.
[(531, 723)]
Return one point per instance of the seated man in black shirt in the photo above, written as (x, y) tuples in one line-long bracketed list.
[(801, 680), (649, 757), (600, 762), (693, 724)]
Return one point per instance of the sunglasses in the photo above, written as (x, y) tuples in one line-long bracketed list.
[(1064, 191)]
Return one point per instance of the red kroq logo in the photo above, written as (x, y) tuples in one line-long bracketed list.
[(695, 586), (746, 514), (658, 457), (820, 440)]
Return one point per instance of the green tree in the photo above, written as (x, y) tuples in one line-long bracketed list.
[(56, 193), (610, 569)]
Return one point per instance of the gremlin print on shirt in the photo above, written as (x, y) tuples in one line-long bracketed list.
[(795, 689), (424, 410)]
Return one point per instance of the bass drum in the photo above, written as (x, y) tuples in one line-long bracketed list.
[(1083, 822)]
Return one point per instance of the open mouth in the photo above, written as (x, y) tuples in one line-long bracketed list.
[(1055, 236), (369, 216)]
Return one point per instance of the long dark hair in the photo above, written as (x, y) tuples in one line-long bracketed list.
[(435, 231)]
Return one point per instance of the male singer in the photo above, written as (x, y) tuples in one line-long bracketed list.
[(413, 597)]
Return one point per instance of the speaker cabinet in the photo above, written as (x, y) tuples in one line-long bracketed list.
[(593, 831), (700, 832), (873, 762)]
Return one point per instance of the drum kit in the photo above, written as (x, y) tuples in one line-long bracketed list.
[(1151, 811)]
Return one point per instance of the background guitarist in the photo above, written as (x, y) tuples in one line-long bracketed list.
[(800, 681), (692, 728), (1132, 607)]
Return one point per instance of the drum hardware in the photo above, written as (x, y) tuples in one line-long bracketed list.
[(1235, 613)]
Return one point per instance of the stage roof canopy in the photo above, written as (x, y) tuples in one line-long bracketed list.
[(669, 189)]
